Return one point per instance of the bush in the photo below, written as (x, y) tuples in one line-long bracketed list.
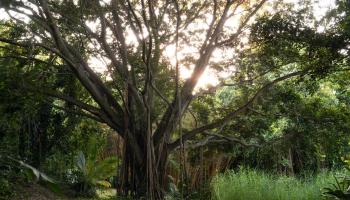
[(249, 184), (91, 170), (341, 188)]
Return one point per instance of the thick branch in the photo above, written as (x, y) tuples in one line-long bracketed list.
[(167, 124), (96, 112), (193, 133), (86, 76), (80, 113), (243, 24)]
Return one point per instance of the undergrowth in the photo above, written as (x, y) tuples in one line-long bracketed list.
[(249, 184)]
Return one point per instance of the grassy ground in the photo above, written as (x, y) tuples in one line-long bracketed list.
[(242, 185), (253, 185)]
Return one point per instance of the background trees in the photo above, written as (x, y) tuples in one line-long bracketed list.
[(51, 51)]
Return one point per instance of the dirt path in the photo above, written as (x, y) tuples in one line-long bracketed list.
[(36, 192)]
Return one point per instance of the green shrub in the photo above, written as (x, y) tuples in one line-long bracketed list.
[(6, 190), (91, 171), (341, 188), (254, 185)]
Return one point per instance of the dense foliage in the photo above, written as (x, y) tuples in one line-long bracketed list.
[(280, 107)]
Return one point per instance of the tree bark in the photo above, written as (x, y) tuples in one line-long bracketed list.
[(146, 179)]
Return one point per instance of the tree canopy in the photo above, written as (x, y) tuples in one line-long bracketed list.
[(281, 79)]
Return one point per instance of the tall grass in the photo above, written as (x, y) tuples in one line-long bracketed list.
[(253, 185)]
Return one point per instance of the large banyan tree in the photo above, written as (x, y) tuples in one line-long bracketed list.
[(141, 94)]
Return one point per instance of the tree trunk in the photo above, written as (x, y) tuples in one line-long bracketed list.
[(146, 179), (291, 164), (22, 143)]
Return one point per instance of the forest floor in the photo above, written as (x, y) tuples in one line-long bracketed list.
[(38, 192)]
